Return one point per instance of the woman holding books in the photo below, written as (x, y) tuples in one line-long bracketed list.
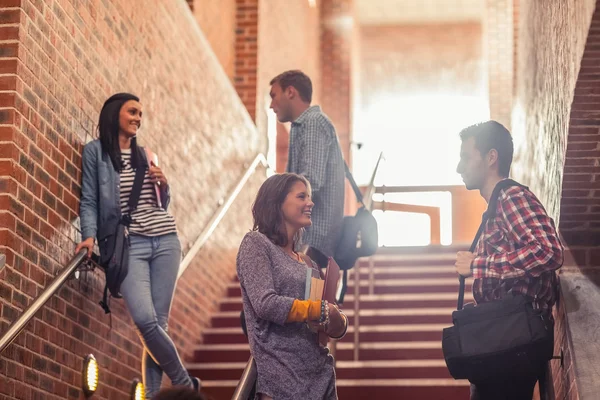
[(282, 326)]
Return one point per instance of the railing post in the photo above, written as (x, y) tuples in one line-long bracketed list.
[(356, 310), (371, 275)]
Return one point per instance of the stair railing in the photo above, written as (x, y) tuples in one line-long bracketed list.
[(368, 203), (19, 324), (260, 159)]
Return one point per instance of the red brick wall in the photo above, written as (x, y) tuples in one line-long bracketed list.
[(552, 38), (563, 377), (288, 39), (580, 220), (246, 53), (337, 35), (59, 61), (217, 19), (556, 134)]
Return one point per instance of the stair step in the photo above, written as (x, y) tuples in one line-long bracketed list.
[(402, 369), (230, 319), (391, 286), (379, 301), (399, 260), (440, 271), (376, 333), (367, 351), (447, 389)]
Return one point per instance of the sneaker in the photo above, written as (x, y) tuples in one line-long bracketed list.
[(196, 383)]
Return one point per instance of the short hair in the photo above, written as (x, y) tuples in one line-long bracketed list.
[(492, 135), (298, 80), (179, 393), (266, 210)]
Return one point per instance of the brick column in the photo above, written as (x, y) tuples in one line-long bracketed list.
[(499, 49), (337, 33), (246, 53)]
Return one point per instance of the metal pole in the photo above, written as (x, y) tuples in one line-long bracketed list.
[(244, 387), (356, 310), (371, 275), (17, 326)]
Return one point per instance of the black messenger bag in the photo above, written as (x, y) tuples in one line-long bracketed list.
[(114, 249), (504, 338)]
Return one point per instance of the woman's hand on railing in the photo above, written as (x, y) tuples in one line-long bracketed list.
[(86, 244)]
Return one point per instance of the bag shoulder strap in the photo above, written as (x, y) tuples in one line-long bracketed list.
[(488, 214), (357, 192), (138, 182), (307, 260)]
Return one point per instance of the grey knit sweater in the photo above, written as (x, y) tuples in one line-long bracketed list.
[(290, 363)]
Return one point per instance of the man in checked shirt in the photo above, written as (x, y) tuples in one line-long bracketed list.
[(519, 249), (314, 152)]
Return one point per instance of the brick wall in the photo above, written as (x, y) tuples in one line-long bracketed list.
[(564, 385), (337, 34), (556, 137), (217, 19), (246, 53), (288, 39), (552, 38), (59, 60), (579, 217), (498, 45)]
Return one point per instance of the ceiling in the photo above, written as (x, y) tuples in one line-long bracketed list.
[(382, 12)]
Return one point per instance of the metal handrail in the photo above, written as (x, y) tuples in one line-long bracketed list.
[(368, 203), (220, 213), (244, 387), (368, 197), (17, 326)]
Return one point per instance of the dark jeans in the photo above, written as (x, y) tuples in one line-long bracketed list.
[(518, 388)]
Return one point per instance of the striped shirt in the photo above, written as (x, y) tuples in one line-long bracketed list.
[(148, 218), (315, 153)]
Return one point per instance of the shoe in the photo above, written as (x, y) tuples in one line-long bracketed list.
[(197, 383)]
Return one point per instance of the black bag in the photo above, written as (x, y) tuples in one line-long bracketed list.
[(502, 338), (114, 249), (359, 236)]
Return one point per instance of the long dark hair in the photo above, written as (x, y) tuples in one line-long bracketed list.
[(266, 210), (108, 130)]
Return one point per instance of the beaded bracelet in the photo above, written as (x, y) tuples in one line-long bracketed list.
[(324, 321)]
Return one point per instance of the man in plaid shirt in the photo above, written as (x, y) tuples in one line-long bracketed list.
[(519, 250), (314, 152)]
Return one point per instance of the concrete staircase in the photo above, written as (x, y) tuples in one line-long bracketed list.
[(406, 299)]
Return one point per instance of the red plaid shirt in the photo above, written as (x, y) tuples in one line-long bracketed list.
[(519, 249)]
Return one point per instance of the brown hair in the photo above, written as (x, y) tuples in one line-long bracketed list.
[(266, 210), (296, 79)]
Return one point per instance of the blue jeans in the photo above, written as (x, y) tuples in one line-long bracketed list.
[(148, 291)]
